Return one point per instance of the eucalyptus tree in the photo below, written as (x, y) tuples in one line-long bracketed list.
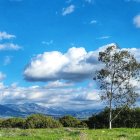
[(117, 79)]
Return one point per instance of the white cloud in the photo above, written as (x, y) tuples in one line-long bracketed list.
[(60, 93), (2, 76), (66, 97), (4, 35), (58, 84), (136, 21), (104, 37), (7, 60), (75, 65), (68, 10), (9, 46), (93, 21), (48, 43), (5, 45)]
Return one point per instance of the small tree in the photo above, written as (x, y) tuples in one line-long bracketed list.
[(116, 78)]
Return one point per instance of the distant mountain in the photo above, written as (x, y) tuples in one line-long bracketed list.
[(23, 110), (31, 108), (6, 111)]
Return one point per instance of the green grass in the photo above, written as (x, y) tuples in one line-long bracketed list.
[(70, 134)]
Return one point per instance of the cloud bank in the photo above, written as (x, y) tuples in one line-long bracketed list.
[(55, 94)]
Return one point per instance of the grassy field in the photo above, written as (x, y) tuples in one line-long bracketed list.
[(70, 134)]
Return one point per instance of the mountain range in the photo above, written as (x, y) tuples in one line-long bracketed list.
[(23, 110)]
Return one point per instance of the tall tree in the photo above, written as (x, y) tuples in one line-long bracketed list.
[(117, 79)]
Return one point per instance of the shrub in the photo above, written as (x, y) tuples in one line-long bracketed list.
[(82, 124), (13, 123), (41, 121), (69, 121)]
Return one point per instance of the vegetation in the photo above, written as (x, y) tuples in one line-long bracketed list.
[(13, 123), (116, 79), (41, 127), (41, 121), (33, 121), (128, 118), (69, 134), (69, 121)]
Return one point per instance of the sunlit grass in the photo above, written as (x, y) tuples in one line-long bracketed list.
[(70, 134)]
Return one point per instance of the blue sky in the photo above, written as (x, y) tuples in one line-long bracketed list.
[(34, 34)]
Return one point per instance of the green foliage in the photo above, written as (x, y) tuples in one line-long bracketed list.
[(33, 121), (41, 121), (13, 123), (69, 121), (99, 120), (129, 118)]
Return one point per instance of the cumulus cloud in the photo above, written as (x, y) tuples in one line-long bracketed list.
[(5, 35), (9, 46), (75, 65), (68, 10), (2, 76), (136, 21)]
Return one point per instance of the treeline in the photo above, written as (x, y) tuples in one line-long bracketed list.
[(126, 118)]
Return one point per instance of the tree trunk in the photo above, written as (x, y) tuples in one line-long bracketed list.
[(110, 116), (110, 121)]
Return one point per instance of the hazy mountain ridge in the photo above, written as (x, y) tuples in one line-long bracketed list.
[(23, 110)]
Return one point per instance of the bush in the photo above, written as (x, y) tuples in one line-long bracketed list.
[(13, 123), (69, 121), (41, 121), (82, 125)]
